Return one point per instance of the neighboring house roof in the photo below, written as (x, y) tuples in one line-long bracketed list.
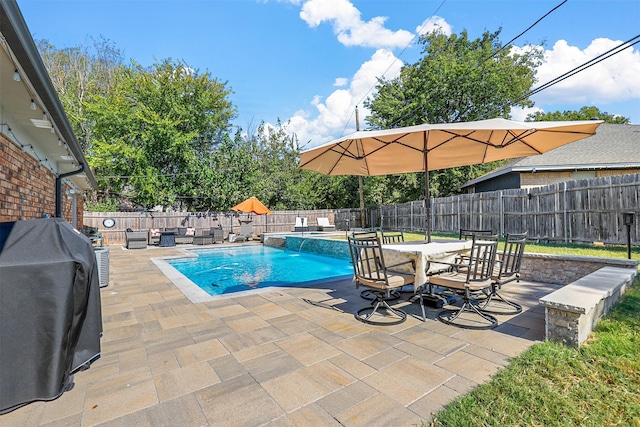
[(19, 52), (614, 146)]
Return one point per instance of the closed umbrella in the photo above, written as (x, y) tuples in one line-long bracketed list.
[(428, 147)]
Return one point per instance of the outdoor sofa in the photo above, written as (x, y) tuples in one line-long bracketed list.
[(182, 234), (208, 237)]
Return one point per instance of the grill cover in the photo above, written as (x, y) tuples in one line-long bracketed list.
[(50, 315)]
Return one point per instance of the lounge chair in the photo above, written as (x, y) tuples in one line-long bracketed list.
[(301, 224), (324, 225), (245, 233)]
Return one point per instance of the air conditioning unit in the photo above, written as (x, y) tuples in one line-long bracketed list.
[(102, 259)]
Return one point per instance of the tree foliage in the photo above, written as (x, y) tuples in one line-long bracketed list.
[(162, 135), (585, 113), (456, 80), (155, 133), (80, 74)]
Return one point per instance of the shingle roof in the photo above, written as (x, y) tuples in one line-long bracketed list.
[(613, 146)]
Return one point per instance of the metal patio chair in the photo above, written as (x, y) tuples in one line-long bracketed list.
[(371, 272), (507, 270), (392, 236), (471, 276)]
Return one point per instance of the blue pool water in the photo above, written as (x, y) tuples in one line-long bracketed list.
[(232, 269)]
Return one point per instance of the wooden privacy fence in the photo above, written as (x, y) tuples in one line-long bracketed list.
[(277, 221), (582, 211)]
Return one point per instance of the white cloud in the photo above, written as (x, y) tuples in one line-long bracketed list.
[(613, 79), (340, 81), (435, 23), (336, 116), (520, 114), (348, 26)]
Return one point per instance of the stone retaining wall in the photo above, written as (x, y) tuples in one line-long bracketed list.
[(564, 269)]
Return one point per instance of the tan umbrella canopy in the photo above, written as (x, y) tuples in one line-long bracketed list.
[(252, 205), (428, 147)]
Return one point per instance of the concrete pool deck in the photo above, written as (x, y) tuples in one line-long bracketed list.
[(282, 357)]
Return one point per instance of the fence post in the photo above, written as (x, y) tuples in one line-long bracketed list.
[(564, 210), (501, 209), (411, 216)]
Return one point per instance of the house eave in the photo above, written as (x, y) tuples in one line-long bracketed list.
[(19, 40), (551, 168)]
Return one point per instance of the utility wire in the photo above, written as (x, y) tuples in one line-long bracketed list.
[(522, 33), (498, 51), (606, 55), (424, 24)]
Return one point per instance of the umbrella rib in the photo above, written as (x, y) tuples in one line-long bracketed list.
[(344, 153)]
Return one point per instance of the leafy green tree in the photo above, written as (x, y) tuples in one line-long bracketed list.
[(79, 74), (456, 80), (156, 131), (585, 113)]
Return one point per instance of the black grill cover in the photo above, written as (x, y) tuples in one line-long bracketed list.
[(50, 315)]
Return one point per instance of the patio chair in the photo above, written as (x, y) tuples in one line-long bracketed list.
[(471, 276), (324, 225), (468, 234), (301, 224), (371, 272), (392, 236), (507, 270), (136, 239)]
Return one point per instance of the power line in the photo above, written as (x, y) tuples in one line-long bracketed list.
[(522, 33), (424, 24), (495, 53), (606, 55)]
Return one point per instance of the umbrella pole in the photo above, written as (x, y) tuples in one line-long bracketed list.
[(427, 199)]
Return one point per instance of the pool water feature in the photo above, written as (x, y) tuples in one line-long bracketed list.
[(227, 270)]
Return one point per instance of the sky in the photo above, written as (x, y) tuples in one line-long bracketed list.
[(309, 63)]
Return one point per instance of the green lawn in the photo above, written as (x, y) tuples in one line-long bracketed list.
[(556, 248), (554, 385)]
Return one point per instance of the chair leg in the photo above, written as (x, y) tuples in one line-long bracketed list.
[(380, 303), (370, 295), (449, 316), (504, 306)]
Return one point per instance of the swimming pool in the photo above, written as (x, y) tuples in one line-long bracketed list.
[(227, 270)]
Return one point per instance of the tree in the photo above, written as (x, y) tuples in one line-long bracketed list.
[(156, 131), (79, 74), (585, 113), (456, 80)]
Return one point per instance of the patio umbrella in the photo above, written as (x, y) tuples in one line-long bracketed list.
[(428, 147), (252, 205)]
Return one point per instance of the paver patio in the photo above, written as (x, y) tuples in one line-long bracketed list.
[(272, 358)]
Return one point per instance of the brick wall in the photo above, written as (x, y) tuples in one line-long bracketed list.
[(28, 189), (539, 179)]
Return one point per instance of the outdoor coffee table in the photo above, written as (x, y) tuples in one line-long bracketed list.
[(167, 238)]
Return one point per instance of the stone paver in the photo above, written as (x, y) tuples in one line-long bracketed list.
[(281, 357)]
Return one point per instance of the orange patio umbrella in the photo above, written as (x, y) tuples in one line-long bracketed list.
[(252, 205)]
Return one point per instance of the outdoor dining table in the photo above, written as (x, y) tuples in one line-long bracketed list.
[(425, 256)]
